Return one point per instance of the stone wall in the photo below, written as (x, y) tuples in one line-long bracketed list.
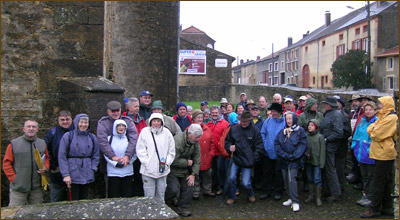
[(142, 38)]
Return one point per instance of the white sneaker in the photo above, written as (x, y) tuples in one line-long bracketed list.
[(296, 207), (287, 203)]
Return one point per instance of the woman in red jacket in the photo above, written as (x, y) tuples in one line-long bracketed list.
[(207, 150)]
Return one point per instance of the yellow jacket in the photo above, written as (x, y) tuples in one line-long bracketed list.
[(383, 132)]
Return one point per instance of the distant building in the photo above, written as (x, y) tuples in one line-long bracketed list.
[(197, 36), (388, 70)]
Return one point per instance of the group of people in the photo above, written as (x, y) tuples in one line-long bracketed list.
[(207, 151)]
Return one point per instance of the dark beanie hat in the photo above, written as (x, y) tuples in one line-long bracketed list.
[(180, 104)]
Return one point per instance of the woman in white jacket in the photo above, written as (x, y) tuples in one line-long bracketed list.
[(156, 151), (120, 176)]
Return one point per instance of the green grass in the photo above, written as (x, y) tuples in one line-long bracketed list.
[(196, 104)]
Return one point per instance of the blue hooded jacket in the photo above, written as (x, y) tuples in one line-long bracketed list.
[(83, 155), (269, 131), (361, 141)]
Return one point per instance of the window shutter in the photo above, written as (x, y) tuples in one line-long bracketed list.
[(353, 45), (394, 83), (337, 52), (384, 83)]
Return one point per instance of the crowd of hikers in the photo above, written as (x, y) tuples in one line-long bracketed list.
[(212, 150)]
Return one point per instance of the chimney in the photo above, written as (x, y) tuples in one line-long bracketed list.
[(241, 61), (247, 60), (258, 57), (289, 41), (327, 18)]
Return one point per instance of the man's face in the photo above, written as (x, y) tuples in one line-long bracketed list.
[(314, 107), (193, 138), (145, 100), (214, 114), (255, 112), (156, 110), (262, 103), (189, 112), (203, 107), (275, 114), (327, 107), (182, 111), (302, 103), (65, 121), (245, 124), (30, 129), (114, 114), (134, 108), (363, 101), (243, 98), (289, 106), (223, 110), (355, 103), (277, 99)]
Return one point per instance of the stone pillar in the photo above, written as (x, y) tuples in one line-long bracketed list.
[(142, 40)]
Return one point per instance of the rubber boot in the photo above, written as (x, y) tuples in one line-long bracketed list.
[(318, 197), (311, 195)]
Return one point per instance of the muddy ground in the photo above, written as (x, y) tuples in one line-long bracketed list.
[(214, 208)]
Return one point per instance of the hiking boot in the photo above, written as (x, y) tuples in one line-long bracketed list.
[(252, 199), (311, 195), (287, 203), (230, 201), (209, 194), (183, 211), (264, 196), (370, 214), (277, 197), (334, 198), (196, 197), (318, 196), (296, 207)]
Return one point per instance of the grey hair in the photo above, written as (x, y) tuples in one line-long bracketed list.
[(277, 94), (263, 98), (189, 107), (131, 100), (195, 129), (216, 107)]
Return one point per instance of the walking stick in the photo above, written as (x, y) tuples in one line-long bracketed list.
[(70, 194)]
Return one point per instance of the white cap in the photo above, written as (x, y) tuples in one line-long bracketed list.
[(288, 100), (303, 97), (224, 100), (242, 93)]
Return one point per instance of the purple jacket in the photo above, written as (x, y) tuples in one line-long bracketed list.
[(105, 129), (83, 156)]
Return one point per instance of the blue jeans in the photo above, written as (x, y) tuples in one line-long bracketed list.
[(222, 165), (314, 174), (246, 181)]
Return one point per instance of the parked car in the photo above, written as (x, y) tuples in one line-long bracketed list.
[(289, 85), (370, 90)]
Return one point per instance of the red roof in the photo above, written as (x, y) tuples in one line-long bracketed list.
[(388, 53), (192, 29)]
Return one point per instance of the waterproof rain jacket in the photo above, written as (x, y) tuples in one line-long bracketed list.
[(383, 132), (217, 129), (361, 141), (316, 147), (307, 115), (269, 131), (80, 157), (332, 129), (185, 151)]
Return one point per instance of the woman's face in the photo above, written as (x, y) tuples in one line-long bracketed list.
[(240, 109), (229, 109), (369, 111), (289, 120), (199, 119), (121, 128), (156, 123), (83, 124)]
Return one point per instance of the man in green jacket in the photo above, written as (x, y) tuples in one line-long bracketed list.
[(186, 165)]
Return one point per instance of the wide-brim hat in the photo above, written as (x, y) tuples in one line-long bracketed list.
[(365, 96), (223, 101), (157, 105), (276, 106), (330, 100), (250, 102), (246, 116), (354, 96)]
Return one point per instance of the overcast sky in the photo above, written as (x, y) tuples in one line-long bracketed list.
[(247, 29)]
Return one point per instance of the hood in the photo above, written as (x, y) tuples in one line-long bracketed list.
[(310, 102), (315, 121), (76, 120), (388, 104), (294, 118), (233, 119), (116, 123), (156, 115)]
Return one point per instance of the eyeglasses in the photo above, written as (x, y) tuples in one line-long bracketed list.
[(113, 111)]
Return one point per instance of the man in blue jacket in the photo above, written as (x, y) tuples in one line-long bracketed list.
[(272, 176), (57, 187), (246, 144)]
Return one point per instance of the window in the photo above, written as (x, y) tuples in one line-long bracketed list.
[(270, 81), (340, 36), (389, 63), (306, 49), (282, 65), (323, 43), (390, 81), (357, 31), (326, 79), (365, 28), (313, 80), (293, 67), (276, 65), (365, 44), (287, 55), (293, 56), (339, 50), (270, 67), (296, 65), (288, 80), (358, 44)]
